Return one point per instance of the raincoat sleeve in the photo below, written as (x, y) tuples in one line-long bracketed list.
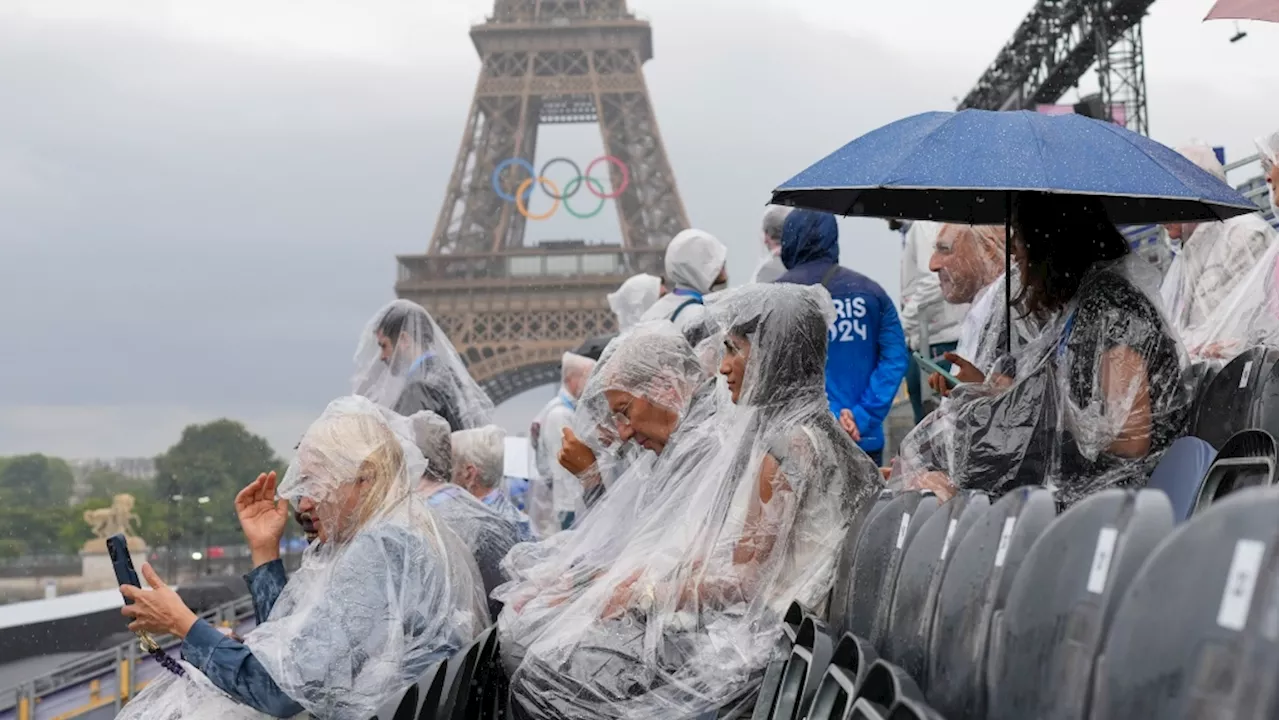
[(891, 367), (265, 584), (231, 666)]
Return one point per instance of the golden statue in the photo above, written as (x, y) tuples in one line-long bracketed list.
[(117, 519)]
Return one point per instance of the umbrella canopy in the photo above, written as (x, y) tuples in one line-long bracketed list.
[(592, 347), (1268, 10), (964, 166)]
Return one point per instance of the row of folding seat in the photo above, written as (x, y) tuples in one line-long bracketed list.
[(974, 609), (470, 685)]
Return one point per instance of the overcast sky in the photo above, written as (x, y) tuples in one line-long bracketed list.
[(200, 202)]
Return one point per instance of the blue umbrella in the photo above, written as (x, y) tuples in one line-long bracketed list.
[(966, 166)]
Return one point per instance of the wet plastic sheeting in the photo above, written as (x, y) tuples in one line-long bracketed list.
[(836, 619), (1212, 651), (1247, 460), (878, 547), (974, 588), (919, 581), (913, 517), (1240, 397), (849, 666), (1181, 472), (1062, 601)]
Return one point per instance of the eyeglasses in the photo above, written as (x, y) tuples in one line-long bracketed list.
[(622, 417)]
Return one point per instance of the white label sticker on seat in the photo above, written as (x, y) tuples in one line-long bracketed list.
[(946, 542), (902, 530), (1237, 594), (1244, 374), (1006, 532), (1101, 560)]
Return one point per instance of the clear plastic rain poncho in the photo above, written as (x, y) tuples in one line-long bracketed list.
[(385, 595), (633, 298), (405, 362), (1216, 258), (486, 534), (654, 364), (566, 489), (687, 616), (1052, 413), (694, 260), (485, 450)]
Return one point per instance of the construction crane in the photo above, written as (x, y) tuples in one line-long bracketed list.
[(1055, 46)]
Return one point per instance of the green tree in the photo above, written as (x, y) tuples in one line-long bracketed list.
[(215, 460), (105, 484), (36, 481)]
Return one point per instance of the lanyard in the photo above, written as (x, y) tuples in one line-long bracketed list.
[(568, 401), (683, 292), (418, 363)]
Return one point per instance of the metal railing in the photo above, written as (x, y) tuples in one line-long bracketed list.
[(105, 679)]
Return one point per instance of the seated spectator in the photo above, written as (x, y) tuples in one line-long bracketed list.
[(488, 535), (1215, 258), (695, 267), (566, 488), (405, 362), (633, 298), (381, 597), (923, 306), (478, 459), (1093, 401), (647, 388), (684, 621)]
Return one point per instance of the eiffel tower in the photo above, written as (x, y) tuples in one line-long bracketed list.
[(512, 310)]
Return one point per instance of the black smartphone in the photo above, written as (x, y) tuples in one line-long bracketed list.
[(122, 562)]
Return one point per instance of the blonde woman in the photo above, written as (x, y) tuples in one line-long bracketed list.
[(384, 594)]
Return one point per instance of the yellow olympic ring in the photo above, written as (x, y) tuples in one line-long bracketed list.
[(524, 210)]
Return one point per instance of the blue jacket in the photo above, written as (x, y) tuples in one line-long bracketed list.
[(866, 350)]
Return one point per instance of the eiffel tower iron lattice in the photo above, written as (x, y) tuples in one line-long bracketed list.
[(512, 310)]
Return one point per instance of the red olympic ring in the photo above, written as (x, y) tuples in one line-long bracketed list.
[(626, 177)]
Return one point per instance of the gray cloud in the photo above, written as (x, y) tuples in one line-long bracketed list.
[(195, 229)]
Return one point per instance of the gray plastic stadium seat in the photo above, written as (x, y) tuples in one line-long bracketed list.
[(1062, 601), (1205, 648), (975, 588), (907, 513), (1181, 472), (1242, 395), (919, 581), (1248, 459), (875, 548), (803, 672), (458, 699), (849, 666), (888, 685), (768, 691), (913, 710), (843, 585), (865, 709)]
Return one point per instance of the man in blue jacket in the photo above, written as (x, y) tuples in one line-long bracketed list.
[(866, 350)]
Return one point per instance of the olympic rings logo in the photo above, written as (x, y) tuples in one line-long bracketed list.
[(558, 197)]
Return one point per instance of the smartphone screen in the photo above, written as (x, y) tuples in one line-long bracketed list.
[(122, 562), (931, 365)]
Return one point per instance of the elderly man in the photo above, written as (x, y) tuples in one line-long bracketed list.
[(969, 263), (923, 305), (478, 461), (488, 535), (633, 299), (771, 267), (1214, 258), (566, 490)]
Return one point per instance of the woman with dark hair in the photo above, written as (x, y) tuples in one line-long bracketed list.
[(1089, 404)]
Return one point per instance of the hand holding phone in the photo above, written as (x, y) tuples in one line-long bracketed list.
[(122, 562), (925, 362)]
